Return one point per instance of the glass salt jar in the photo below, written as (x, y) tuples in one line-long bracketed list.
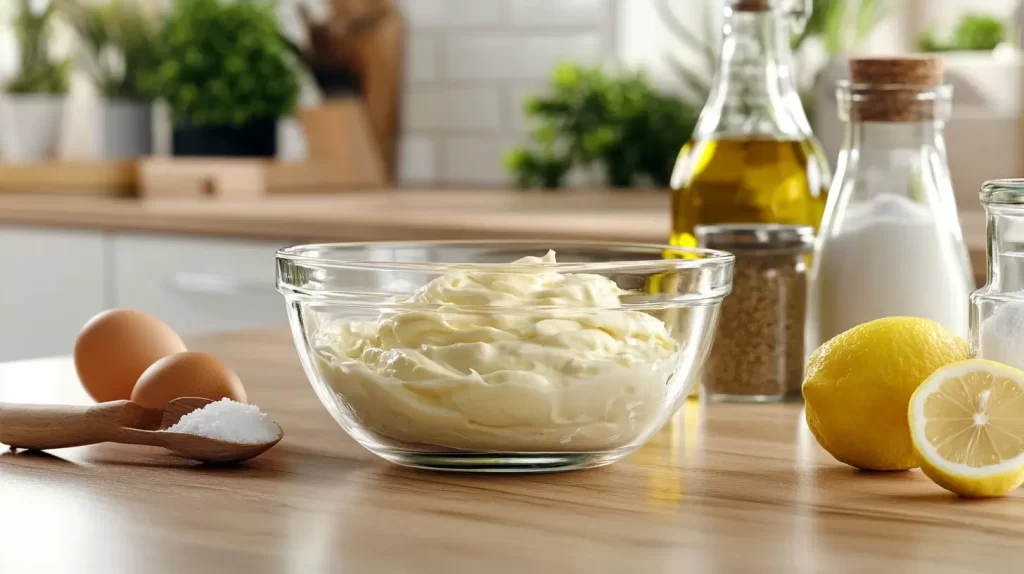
[(997, 309), (890, 243), (758, 353)]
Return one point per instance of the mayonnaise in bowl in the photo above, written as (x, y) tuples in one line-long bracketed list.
[(518, 358)]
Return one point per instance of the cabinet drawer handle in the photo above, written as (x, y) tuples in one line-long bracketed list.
[(209, 284)]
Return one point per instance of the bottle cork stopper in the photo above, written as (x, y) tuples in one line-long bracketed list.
[(903, 71), (751, 5), (889, 89)]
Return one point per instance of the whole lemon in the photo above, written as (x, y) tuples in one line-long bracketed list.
[(858, 387)]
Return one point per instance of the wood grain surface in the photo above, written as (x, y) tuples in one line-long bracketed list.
[(722, 488), (392, 215)]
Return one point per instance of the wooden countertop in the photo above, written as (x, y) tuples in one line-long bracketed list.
[(370, 216), (637, 216), (722, 488)]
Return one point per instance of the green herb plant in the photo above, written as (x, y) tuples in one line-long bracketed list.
[(974, 32), (38, 73), (224, 62), (619, 124), (118, 42)]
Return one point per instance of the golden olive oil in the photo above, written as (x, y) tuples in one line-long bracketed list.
[(758, 180)]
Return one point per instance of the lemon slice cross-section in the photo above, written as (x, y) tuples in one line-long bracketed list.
[(967, 425)]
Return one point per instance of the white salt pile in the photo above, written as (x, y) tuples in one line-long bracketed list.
[(229, 421), (1002, 334)]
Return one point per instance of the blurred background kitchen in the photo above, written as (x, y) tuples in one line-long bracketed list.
[(116, 118)]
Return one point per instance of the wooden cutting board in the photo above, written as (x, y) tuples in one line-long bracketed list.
[(87, 178), (226, 178)]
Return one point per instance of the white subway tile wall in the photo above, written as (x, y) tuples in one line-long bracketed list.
[(478, 108), (476, 159), (448, 14), (470, 63), (417, 160), (548, 13), (489, 58), (514, 104), (421, 56)]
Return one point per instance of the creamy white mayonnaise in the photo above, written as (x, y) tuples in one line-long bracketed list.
[(519, 358)]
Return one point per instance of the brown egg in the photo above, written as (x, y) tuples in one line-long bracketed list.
[(116, 346), (187, 374)]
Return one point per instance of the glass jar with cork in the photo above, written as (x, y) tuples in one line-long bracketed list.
[(758, 353), (890, 243)]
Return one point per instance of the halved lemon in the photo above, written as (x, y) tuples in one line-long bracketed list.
[(967, 425)]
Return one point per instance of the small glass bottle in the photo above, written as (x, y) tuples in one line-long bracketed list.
[(758, 353), (997, 309), (890, 243), (752, 158)]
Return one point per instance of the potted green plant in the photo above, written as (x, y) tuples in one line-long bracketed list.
[(32, 108), (617, 123), (227, 75), (117, 49)]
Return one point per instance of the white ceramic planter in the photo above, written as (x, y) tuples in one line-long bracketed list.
[(126, 128), (30, 126)]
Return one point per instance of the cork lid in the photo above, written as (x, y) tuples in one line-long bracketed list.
[(902, 70), (895, 89), (750, 5)]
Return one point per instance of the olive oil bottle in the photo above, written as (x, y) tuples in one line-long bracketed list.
[(738, 180), (753, 158)]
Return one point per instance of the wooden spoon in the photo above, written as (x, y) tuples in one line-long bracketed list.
[(44, 427)]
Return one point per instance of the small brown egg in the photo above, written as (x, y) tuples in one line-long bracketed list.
[(188, 374), (116, 346)]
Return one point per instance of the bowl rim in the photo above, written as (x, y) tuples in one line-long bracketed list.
[(708, 258), (714, 267)]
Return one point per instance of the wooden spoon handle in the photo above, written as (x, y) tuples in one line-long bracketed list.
[(40, 427)]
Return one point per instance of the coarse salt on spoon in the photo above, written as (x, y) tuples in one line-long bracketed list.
[(44, 427)]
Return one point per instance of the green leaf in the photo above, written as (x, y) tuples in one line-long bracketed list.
[(974, 32), (979, 32), (872, 12), (836, 28)]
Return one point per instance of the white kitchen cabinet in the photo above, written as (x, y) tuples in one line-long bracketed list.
[(53, 282), (198, 284)]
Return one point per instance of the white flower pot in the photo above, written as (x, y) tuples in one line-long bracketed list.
[(30, 126), (126, 128)]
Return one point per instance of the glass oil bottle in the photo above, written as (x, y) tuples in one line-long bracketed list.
[(752, 158)]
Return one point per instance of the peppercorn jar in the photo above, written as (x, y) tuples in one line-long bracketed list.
[(997, 309), (758, 353)]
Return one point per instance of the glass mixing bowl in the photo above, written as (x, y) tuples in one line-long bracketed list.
[(449, 356)]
